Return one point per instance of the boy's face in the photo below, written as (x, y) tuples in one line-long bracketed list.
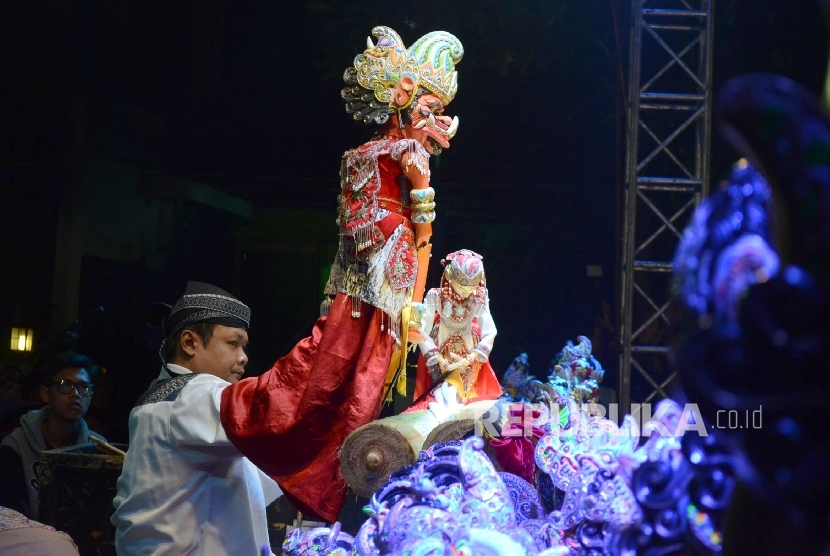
[(224, 354), (69, 394)]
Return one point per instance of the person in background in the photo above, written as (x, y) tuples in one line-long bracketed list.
[(66, 389)]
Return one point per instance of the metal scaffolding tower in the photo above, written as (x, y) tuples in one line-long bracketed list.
[(667, 173)]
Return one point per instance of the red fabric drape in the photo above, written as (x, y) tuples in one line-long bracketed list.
[(515, 451), (292, 420)]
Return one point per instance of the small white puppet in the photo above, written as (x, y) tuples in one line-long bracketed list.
[(456, 334)]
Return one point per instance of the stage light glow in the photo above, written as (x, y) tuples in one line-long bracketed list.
[(22, 339)]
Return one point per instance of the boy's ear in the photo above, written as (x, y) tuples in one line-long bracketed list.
[(188, 342)]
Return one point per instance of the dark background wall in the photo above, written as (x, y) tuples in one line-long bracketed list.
[(244, 98)]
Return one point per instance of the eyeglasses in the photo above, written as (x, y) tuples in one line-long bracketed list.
[(67, 386)]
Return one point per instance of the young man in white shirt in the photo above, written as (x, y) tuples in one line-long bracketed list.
[(184, 488)]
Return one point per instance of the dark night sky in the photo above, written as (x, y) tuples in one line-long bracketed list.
[(250, 103), (271, 107), (260, 98)]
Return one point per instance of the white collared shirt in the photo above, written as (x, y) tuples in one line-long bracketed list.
[(184, 488)]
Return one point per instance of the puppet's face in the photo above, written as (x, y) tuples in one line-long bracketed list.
[(429, 124), (463, 291)]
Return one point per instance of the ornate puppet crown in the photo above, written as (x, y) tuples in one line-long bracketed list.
[(436, 55), (429, 63), (465, 267)]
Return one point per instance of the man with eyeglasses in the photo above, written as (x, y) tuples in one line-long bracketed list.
[(66, 389)]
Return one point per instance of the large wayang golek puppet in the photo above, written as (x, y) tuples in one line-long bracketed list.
[(292, 420)]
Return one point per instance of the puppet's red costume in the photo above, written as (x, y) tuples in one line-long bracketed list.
[(292, 420)]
